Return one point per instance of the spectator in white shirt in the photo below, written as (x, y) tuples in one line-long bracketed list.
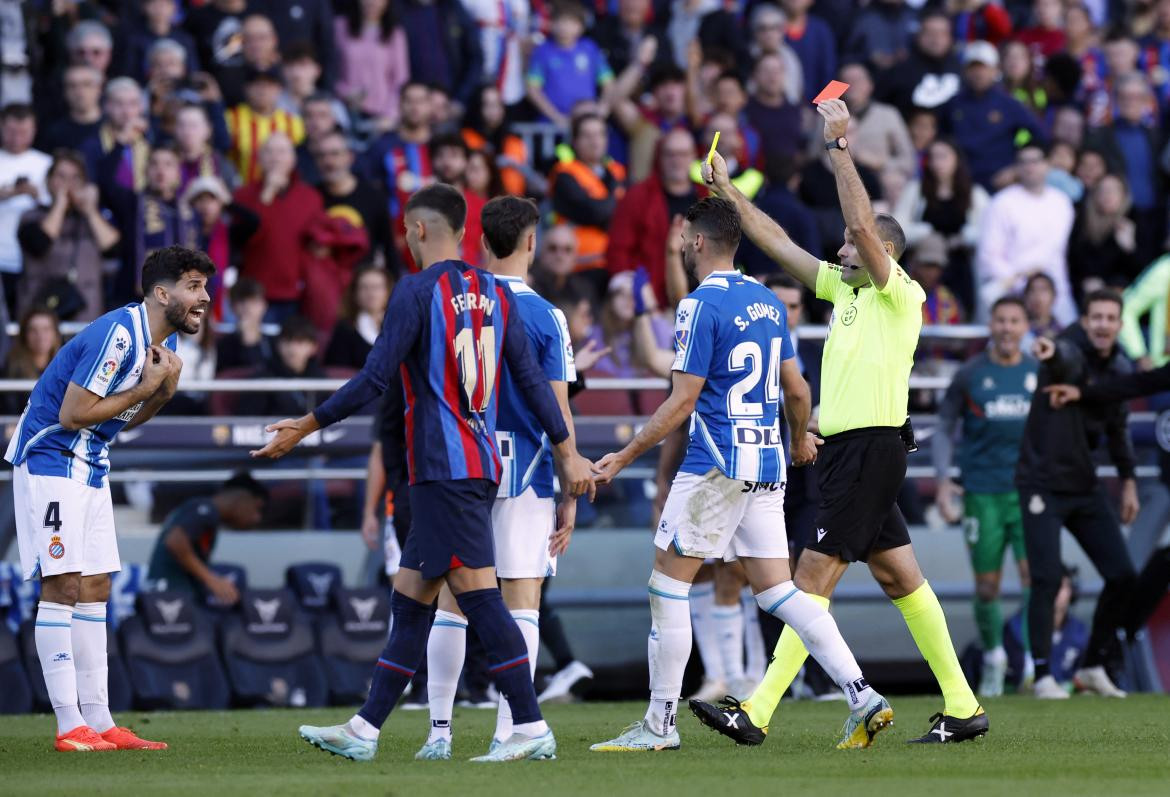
[(1025, 230), (22, 185)]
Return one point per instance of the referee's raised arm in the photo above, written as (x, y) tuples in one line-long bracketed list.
[(760, 228)]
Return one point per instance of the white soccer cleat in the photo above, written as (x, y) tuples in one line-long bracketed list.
[(1097, 681), (340, 740), (558, 688), (522, 748), (1048, 689), (994, 672), (637, 738), (711, 690)]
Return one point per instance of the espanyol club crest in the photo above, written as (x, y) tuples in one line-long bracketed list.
[(56, 547)]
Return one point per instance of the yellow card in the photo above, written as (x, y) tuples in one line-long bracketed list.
[(714, 144)]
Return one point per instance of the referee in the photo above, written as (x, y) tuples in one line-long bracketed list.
[(865, 374)]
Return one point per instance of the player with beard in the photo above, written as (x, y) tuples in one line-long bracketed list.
[(115, 375)]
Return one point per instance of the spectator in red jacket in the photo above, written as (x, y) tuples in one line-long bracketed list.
[(286, 206), (642, 218)]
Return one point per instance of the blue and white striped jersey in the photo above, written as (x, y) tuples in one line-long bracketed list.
[(105, 358), (732, 331), (524, 447)]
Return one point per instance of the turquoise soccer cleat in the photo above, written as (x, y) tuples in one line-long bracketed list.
[(637, 738), (865, 723), (437, 750), (340, 740), (522, 748)]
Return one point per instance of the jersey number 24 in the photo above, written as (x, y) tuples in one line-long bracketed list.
[(747, 356)]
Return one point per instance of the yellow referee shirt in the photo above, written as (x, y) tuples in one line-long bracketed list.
[(865, 371)]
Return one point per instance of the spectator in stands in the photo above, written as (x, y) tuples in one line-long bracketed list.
[(321, 119), (642, 218), (452, 57), (614, 329), (770, 110), (197, 156), (645, 123), (252, 122), (122, 136), (504, 28), (83, 115), (1102, 249), (1068, 125), (246, 346), (928, 260), (1021, 78), (730, 97), (553, 276), (90, 43), (222, 229), (64, 243), (449, 157), (486, 129), (188, 536), (1133, 147), (259, 51), (985, 120), (215, 27), (1045, 36), (359, 200), (620, 35), (166, 76), (1091, 167), (1025, 230), (307, 22), (22, 185), (778, 200), (980, 20), (286, 205), (1121, 55), (585, 192), (881, 33), (709, 25), (155, 23), (37, 342), (482, 176), (302, 72), (296, 358), (568, 68), (767, 26), (198, 353), (929, 77), (373, 60), (362, 312), (878, 137), (1040, 302), (813, 41), (923, 128)]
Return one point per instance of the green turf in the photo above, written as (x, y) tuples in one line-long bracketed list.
[(1085, 746)]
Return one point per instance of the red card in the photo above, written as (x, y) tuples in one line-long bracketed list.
[(833, 91)]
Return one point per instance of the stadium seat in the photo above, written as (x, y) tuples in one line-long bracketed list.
[(120, 694), (270, 653), (224, 402), (16, 697), (232, 572), (352, 637), (170, 654), (125, 585), (313, 584), (615, 403)]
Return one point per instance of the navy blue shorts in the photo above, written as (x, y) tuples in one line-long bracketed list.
[(451, 526)]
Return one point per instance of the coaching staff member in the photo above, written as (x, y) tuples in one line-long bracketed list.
[(865, 381), (1058, 486)]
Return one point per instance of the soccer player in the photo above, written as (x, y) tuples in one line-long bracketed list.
[(990, 395), (447, 327), (115, 375), (865, 384), (733, 358), (529, 531)]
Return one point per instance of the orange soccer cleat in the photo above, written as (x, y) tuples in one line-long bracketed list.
[(83, 739), (125, 739)]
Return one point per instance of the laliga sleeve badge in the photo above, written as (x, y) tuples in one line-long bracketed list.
[(56, 547)]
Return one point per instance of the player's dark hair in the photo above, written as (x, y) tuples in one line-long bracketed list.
[(505, 219), (443, 199), (718, 220), (1102, 295), (781, 281), (246, 482), (169, 264), (297, 327), (889, 230), (245, 288), (1005, 301), (579, 122)]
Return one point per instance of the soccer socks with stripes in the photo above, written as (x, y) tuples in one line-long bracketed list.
[(89, 653), (53, 632), (446, 648), (702, 602), (989, 621), (528, 621), (508, 654), (924, 617), (787, 659), (818, 630), (755, 660), (668, 649), (398, 662)]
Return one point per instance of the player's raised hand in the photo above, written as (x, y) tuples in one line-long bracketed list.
[(836, 116), (715, 174), (1062, 395), (558, 543), (577, 477), (289, 432), (806, 452)]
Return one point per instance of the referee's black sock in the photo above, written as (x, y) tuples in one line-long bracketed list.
[(1042, 668)]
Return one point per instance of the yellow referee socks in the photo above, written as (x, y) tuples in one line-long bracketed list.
[(786, 663), (924, 617)]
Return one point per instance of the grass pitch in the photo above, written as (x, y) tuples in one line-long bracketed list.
[(1084, 746)]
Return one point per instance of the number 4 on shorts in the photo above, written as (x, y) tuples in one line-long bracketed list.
[(53, 516)]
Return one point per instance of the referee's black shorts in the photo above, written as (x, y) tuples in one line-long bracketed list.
[(859, 473)]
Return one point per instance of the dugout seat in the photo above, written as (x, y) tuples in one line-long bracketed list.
[(17, 696), (118, 680), (233, 573), (352, 636), (170, 654), (270, 652), (223, 402), (313, 584)]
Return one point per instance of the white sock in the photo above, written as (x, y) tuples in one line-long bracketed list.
[(54, 637), (531, 729), (753, 638), (446, 648), (817, 629), (729, 632), (668, 649), (363, 729), (529, 622), (89, 652), (996, 655), (706, 639)]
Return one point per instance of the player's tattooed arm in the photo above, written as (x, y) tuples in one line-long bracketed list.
[(81, 408)]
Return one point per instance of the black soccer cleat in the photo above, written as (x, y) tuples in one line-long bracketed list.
[(949, 730), (729, 718)]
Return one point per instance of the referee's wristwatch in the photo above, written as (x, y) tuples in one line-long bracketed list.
[(841, 143)]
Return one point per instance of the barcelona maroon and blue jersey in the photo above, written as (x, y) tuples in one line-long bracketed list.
[(449, 328)]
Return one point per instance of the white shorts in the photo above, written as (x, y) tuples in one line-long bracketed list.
[(63, 526), (714, 517), (521, 528)]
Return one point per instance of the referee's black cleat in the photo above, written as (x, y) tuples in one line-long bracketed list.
[(949, 730), (730, 718)]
